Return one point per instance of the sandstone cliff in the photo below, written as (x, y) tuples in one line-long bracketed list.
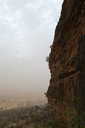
[(67, 59)]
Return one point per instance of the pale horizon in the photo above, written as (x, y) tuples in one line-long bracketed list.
[(27, 31)]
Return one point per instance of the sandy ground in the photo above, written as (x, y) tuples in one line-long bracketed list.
[(11, 102), (19, 100)]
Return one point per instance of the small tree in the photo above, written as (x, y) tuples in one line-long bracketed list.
[(12, 126), (51, 46), (47, 59), (45, 94)]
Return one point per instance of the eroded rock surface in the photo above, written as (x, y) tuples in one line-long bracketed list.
[(67, 59)]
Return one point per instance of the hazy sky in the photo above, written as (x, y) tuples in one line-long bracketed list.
[(26, 33)]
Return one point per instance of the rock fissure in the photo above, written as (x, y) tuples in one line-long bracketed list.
[(67, 58), (67, 74)]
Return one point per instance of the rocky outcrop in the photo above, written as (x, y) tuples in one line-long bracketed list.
[(67, 59)]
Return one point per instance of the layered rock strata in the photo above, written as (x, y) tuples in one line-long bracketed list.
[(67, 59)]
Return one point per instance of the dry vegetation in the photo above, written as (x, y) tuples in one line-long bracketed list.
[(20, 112), (38, 116)]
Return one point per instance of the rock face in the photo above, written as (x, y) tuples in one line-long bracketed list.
[(67, 59)]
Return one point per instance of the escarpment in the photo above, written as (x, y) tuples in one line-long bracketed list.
[(67, 59)]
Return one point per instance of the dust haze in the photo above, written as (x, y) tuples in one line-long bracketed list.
[(26, 33)]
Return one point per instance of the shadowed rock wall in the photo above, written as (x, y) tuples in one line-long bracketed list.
[(67, 59)]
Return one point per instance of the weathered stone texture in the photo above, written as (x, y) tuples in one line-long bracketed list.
[(67, 58)]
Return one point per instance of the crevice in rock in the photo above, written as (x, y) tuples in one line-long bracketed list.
[(67, 74)]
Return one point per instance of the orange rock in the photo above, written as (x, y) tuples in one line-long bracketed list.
[(67, 58)]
